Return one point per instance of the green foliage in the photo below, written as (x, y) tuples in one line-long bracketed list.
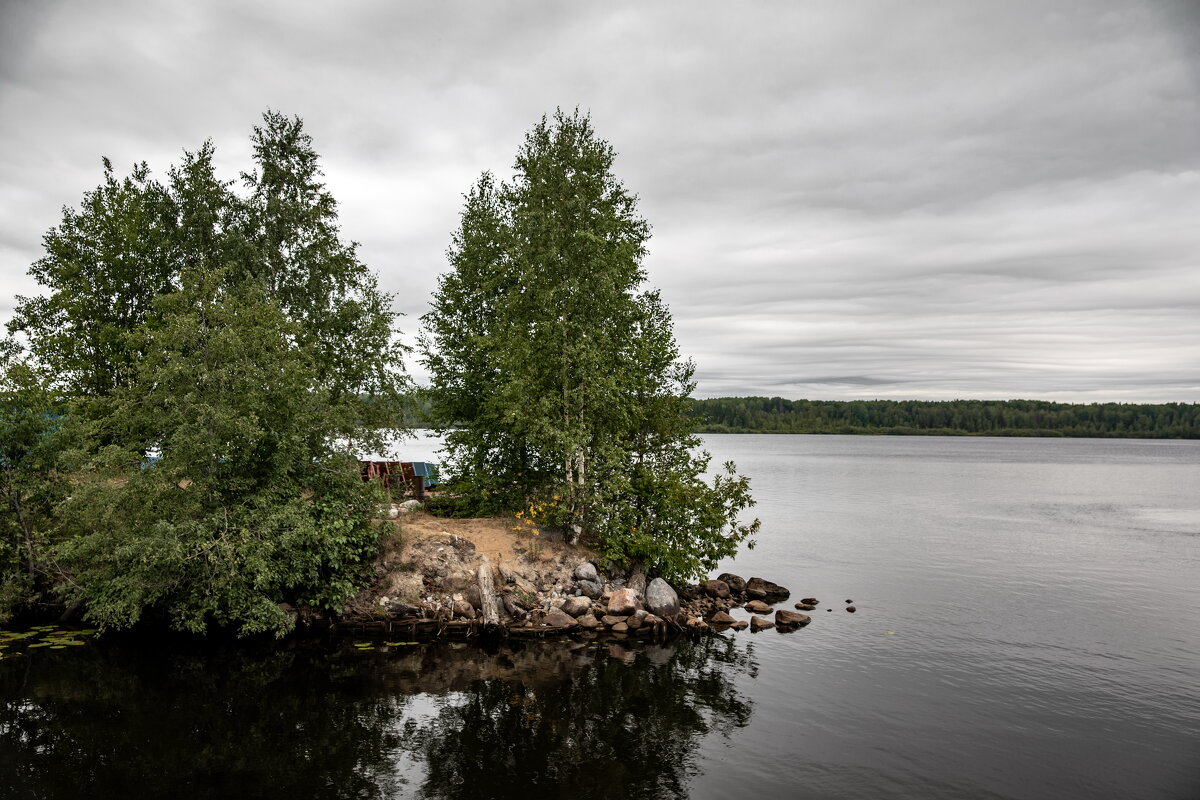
[(948, 418), (214, 480), (104, 264), (561, 373), (31, 438)]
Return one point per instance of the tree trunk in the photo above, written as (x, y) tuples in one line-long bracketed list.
[(26, 531)]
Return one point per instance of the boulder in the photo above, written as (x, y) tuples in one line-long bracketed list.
[(761, 588), (758, 607), (661, 599), (740, 625), (696, 624), (716, 588), (588, 621), (851, 609), (575, 606), (610, 620), (557, 618), (623, 602), (805, 606), (637, 582), (620, 627), (810, 601), (464, 609), (791, 619), (398, 609), (721, 618), (587, 572), (736, 583), (637, 619), (759, 624), (591, 589)]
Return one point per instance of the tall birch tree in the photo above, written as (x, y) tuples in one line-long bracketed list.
[(559, 369)]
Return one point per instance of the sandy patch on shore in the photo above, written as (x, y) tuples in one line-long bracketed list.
[(493, 537)]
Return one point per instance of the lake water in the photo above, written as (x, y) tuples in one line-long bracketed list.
[(1027, 627)]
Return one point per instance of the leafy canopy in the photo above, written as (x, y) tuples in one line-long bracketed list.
[(558, 372), (213, 352)]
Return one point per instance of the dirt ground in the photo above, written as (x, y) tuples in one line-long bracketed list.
[(428, 552), (493, 537)]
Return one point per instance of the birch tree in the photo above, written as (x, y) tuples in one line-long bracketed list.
[(558, 369)]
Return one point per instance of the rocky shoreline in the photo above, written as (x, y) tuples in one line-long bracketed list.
[(441, 586)]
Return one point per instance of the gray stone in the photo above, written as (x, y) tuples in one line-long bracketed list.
[(765, 589), (587, 572), (637, 582), (736, 583), (661, 599), (398, 609), (591, 589)]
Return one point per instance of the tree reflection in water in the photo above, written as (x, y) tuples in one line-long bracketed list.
[(440, 721), (598, 722)]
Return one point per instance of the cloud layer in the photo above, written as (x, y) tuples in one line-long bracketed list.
[(863, 199)]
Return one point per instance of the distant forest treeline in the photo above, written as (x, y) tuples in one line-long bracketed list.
[(948, 418), (922, 418)]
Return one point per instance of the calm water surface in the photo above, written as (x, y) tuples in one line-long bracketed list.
[(1027, 627)]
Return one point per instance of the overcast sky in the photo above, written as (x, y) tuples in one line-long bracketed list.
[(926, 200)]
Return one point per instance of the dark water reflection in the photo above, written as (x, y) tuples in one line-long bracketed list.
[(588, 720)]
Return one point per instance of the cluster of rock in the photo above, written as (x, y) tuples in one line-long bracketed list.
[(461, 590), (710, 601)]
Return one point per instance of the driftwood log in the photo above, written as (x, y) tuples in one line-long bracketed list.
[(487, 596)]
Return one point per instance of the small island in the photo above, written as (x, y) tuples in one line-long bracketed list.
[(181, 410)]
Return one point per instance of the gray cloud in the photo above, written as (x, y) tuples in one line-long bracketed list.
[(849, 199)]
